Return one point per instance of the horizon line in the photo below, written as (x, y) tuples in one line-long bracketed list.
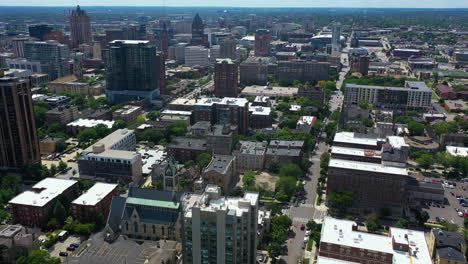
[(269, 7)]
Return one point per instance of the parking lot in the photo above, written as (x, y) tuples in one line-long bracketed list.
[(62, 247), (449, 213)]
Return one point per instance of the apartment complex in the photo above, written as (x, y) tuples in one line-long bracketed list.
[(133, 71), (128, 113), (219, 229), (255, 70), (19, 144), (303, 71), (225, 78), (412, 96), (185, 149), (250, 155), (62, 115), (113, 158), (196, 56), (343, 241), (221, 171), (32, 208), (262, 42), (53, 57), (94, 203)]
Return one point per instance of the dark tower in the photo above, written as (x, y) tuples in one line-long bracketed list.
[(198, 34), (164, 41), (80, 27)]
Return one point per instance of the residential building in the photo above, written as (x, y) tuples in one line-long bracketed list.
[(314, 93), (269, 91), (16, 240), (262, 42), (185, 149), (80, 27), (71, 84), (225, 78), (53, 57), (94, 204), (112, 158), (457, 151), (32, 208), (303, 71), (221, 139), (225, 110), (48, 145), (343, 241), (62, 115), (412, 95), (221, 171), (305, 124), (228, 48), (250, 155), (447, 247), (260, 117), (196, 56), (446, 92), (165, 171), (255, 70), (19, 145), (416, 64), (201, 128), (218, 229), (283, 152), (128, 113), (336, 40), (455, 105), (79, 125), (360, 64), (148, 214), (406, 53), (133, 71), (18, 46)]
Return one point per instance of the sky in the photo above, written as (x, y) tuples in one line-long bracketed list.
[(249, 3)]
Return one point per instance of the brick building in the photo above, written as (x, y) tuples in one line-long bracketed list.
[(185, 149), (225, 78), (62, 115), (97, 200), (303, 71)]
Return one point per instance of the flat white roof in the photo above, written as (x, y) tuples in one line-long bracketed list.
[(91, 123), (340, 232), (324, 260), (397, 142), (348, 137), (43, 192), (95, 194), (356, 152), (457, 151), (176, 112), (149, 157), (259, 110), (365, 166), (408, 50), (223, 101), (306, 120), (126, 41)]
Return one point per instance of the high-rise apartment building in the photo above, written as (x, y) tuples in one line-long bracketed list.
[(53, 56), (225, 78), (19, 145), (303, 71), (262, 42), (219, 229), (18, 46), (80, 27), (336, 39), (228, 48), (132, 71), (198, 34)]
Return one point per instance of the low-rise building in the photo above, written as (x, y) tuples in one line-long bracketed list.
[(62, 115), (221, 139), (145, 214), (343, 241), (269, 91), (283, 152), (94, 203), (79, 125), (185, 149), (48, 145), (250, 155), (221, 171), (305, 123), (16, 240), (445, 92), (71, 84), (260, 117), (457, 151), (200, 128), (112, 158), (447, 247), (128, 113), (455, 105), (32, 208), (314, 93)]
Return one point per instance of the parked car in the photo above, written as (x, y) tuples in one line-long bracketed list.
[(302, 227), (75, 245), (63, 254), (70, 249)]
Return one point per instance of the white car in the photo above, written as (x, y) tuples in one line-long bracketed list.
[(307, 233), (460, 213)]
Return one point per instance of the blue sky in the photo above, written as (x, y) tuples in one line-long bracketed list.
[(248, 3)]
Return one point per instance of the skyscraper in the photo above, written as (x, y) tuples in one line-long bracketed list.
[(262, 42), (228, 48), (219, 229), (164, 41), (19, 145), (225, 78), (53, 56), (80, 26), (198, 34), (132, 71), (336, 41), (39, 31)]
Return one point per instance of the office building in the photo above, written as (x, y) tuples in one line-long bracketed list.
[(132, 71), (336, 40), (198, 31), (39, 31), (412, 95), (406, 53), (228, 48), (225, 110), (262, 43), (344, 241), (80, 27), (94, 204), (19, 145), (221, 171), (218, 229), (113, 158), (360, 64), (147, 214), (215, 54), (225, 78), (32, 208), (53, 57), (255, 70), (303, 71), (23, 64), (196, 56), (250, 155), (185, 149), (18, 46)]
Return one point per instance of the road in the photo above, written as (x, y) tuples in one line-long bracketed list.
[(304, 212)]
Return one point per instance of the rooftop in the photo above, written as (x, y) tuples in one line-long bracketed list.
[(130, 42), (150, 157), (190, 143), (225, 60), (43, 192), (365, 166), (95, 194), (397, 142), (409, 86), (270, 91), (260, 110), (222, 101), (457, 151), (91, 123), (252, 147), (127, 109), (220, 163), (306, 120), (356, 152), (351, 137)]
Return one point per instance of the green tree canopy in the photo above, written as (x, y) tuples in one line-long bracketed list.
[(38, 257), (425, 161), (119, 124), (341, 200), (203, 160), (153, 115), (416, 128), (291, 170)]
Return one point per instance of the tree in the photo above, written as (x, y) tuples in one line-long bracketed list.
[(416, 128), (402, 223), (286, 188), (119, 124), (53, 169), (87, 135), (341, 200), (152, 135), (176, 129), (60, 147), (291, 170), (101, 130), (153, 115), (40, 115), (280, 225), (141, 119), (38, 257), (425, 161), (59, 212), (203, 160), (442, 128), (422, 217), (373, 222), (248, 180), (62, 166)]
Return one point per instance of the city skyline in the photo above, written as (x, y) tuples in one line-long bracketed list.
[(257, 3)]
